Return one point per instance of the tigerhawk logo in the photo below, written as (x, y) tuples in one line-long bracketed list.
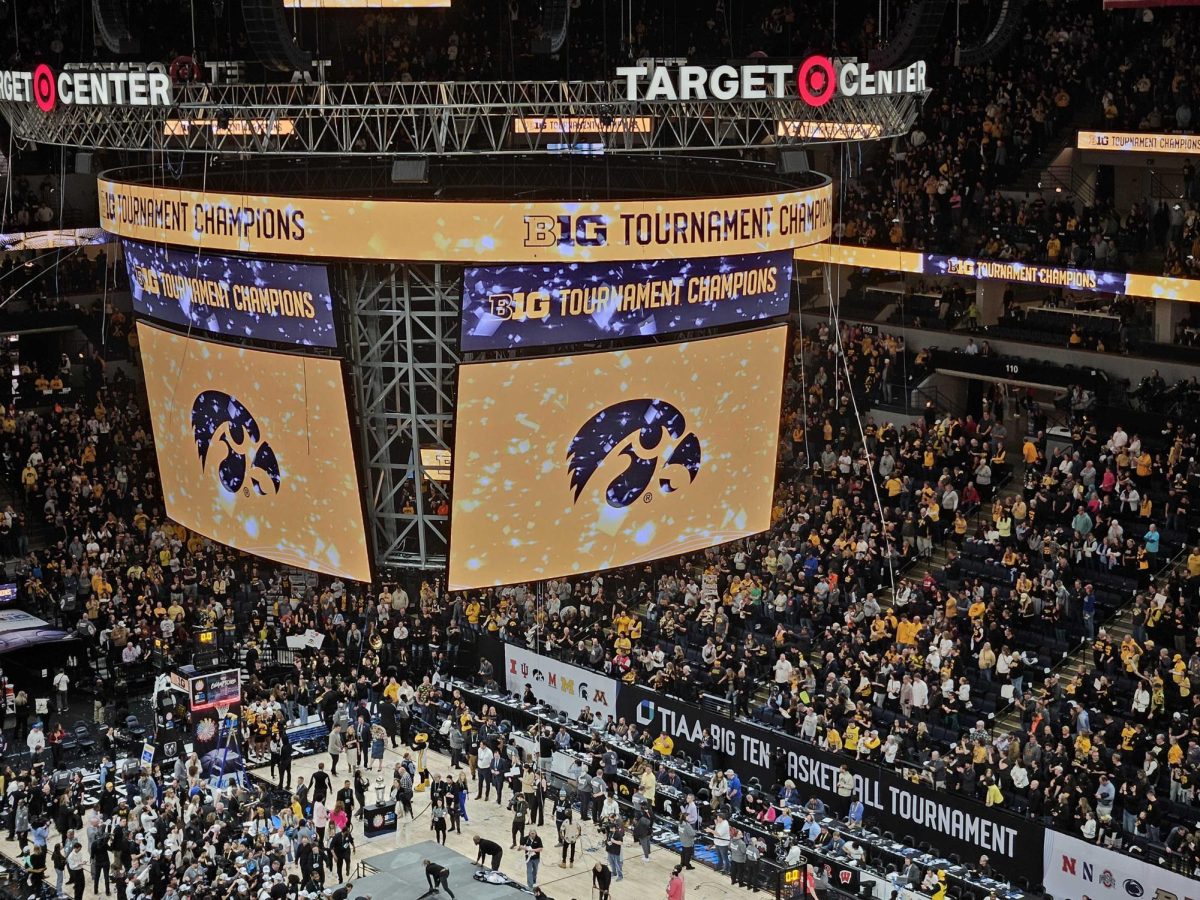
[(248, 461), (634, 429)]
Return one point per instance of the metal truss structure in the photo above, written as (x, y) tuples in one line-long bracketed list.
[(453, 118), (404, 346)]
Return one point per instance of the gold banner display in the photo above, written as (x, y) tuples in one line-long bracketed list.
[(1135, 142), (467, 231), (254, 451), (863, 257), (575, 464)]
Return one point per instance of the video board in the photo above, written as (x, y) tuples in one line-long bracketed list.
[(467, 231), (535, 305), (568, 465), (254, 450), (247, 298)]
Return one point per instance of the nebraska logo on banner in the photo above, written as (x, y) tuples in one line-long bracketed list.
[(1075, 868), (563, 686)]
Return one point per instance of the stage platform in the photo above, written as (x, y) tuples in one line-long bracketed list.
[(399, 874)]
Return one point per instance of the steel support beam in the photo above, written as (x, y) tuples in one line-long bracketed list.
[(448, 119), (404, 345)]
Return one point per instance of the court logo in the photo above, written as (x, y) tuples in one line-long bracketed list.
[(248, 462), (634, 430)]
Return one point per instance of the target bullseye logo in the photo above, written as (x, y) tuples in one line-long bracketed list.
[(45, 93), (816, 80)]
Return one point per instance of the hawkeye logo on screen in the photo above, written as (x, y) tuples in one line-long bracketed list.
[(633, 429), (248, 462)]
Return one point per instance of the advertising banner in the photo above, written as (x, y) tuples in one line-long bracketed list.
[(1020, 273), (254, 451), (563, 686), (1157, 287), (541, 305), (893, 803), (1137, 142), (1075, 868), (244, 298), (575, 464), (467, 230), (215, 704)]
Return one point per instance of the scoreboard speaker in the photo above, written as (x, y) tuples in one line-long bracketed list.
[(112, 24), (792, 162), (271, 38), (916, 37), (556, 17)]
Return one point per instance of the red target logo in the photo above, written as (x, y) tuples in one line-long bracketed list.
[(45, 92), (816, 80)]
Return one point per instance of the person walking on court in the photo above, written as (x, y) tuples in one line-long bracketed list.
[(568, 835), (675, 884), (612, 845), (437, 822), (687, 840), (519, 811), (533, 857), (334, 746), (643, 831)]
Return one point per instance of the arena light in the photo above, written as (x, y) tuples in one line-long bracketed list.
[(582, 125), (236, 127), (828, 131)]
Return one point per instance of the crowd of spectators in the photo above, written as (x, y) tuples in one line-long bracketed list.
[(856, 654), (939, 188), (912, 677)]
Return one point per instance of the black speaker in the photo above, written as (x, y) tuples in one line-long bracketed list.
[(792, 162), (556, 19), (112, 24), (998, 38), (916, 38), (83, 163), (271, 38), (410, 171)]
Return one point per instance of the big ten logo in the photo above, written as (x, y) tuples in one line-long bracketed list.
[(1101, 140), (566, 231), (724, 740), (519, 306)]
